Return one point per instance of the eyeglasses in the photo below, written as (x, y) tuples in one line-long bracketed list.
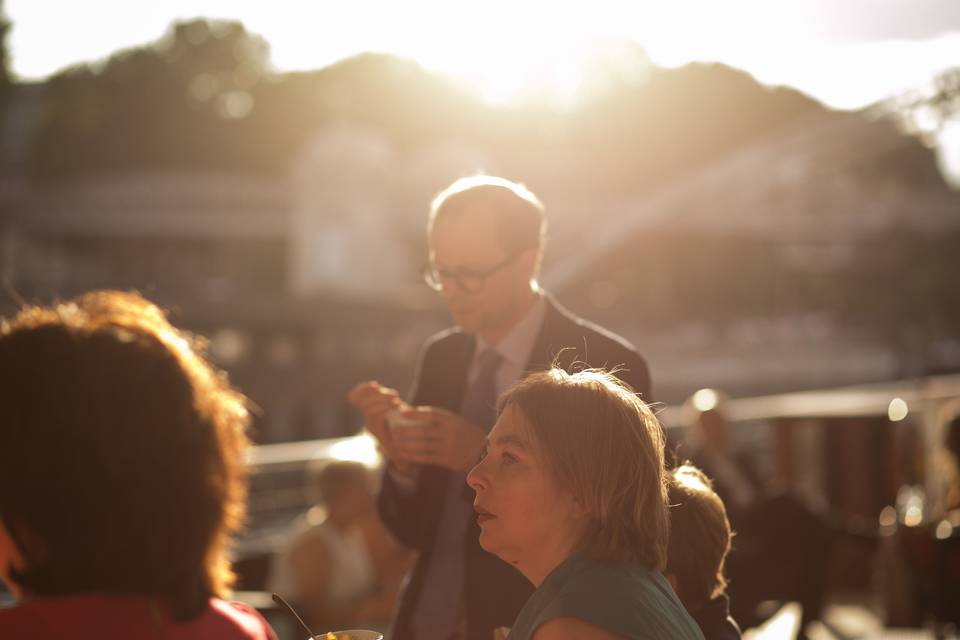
[(468, 280)]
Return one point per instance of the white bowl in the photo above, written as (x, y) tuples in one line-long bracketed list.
[(398, 421)]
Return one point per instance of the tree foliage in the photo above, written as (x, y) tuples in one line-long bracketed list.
[(4, 61), (642, 134), (927, 110), (184, 102), (204, 97)]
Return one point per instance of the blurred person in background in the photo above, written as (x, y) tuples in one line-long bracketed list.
[(121, 477), (782, 547), (699, 543), (946, 585), (951, 446), (732, 472), (486, 237), (572, 491), (340, 567), (919, 559)]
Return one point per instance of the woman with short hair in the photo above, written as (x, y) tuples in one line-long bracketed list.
[(121, 477), (699, 543), (572, 492)]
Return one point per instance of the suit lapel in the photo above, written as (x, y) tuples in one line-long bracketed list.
[(550, 340)]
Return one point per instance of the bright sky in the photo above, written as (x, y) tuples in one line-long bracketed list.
[(846, 53)]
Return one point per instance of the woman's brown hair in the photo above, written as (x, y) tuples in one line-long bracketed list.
[(603, 445), (121, 453), (699, 537)]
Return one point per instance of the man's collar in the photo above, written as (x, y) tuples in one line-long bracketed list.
[(519, 341)]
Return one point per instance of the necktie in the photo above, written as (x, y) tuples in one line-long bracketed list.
[(439, 604), (480, 403)]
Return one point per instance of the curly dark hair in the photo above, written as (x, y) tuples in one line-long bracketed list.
[(121, 453)]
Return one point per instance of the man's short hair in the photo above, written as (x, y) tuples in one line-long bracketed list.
[(699, 537), (603, 445), (121, 453), (521, 223)]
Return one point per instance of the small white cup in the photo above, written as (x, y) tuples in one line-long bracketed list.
[(397, 421)]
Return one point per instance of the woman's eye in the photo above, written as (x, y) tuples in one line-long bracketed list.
[(508, 458)]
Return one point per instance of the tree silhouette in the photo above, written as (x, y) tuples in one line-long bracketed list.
[(203, 97), (183, 102), (679, 119), (927, 110), (5, 82)]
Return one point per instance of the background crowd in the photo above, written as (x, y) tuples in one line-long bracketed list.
[(744, 323), (527, 484)]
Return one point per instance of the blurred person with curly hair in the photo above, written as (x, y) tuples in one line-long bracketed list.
[(121, 477)]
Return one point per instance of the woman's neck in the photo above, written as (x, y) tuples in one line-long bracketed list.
[(537, 566)]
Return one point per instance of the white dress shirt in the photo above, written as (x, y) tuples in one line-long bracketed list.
[(515, 347)]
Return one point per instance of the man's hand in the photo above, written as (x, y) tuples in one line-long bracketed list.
[(442, 438), (375, 401)]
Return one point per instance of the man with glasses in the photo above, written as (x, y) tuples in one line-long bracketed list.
[(486, 239)]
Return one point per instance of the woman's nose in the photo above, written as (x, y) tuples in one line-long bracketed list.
[(475, 478)]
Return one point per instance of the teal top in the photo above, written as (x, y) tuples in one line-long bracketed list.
[(627, 599)]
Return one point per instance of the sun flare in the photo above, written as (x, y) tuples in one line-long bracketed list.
[(509, 50)]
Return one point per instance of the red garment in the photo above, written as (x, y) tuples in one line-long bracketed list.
[(109, 617)]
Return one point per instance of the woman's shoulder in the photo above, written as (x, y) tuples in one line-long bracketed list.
[(102, 616), (244, 620), (627, 598), (584, 576), (79, 616), (572, 629), (20, 621)]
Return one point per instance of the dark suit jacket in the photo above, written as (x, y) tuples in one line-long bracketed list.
[(494, 592)]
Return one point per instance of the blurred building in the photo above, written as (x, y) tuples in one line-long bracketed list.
[(304, 286), (765, 271), (819, 256), (219, 252)]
